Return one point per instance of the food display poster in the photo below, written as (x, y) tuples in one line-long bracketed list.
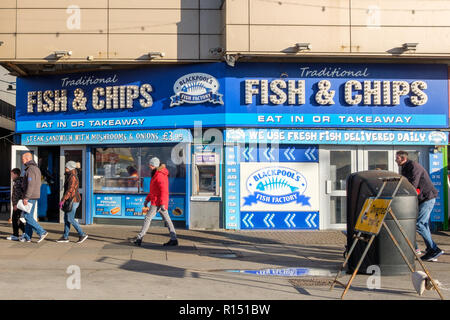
[(131, 207), (108, 205)]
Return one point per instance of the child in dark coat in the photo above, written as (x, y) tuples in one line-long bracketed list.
[(16, 195)]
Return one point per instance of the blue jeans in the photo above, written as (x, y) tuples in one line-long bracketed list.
[(31, 223), (423, 223), (69, 219)]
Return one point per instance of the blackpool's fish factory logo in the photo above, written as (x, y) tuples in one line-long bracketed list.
[(196, 88), (276, 185)]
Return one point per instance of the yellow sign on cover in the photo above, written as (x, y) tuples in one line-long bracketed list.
[(372, 215)]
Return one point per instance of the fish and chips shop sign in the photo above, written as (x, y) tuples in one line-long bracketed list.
[(278, 95)]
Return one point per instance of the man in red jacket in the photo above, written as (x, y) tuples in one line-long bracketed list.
[(159, 200)]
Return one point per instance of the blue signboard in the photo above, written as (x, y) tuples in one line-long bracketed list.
[(248, 95), (280, 220), (252, 137), (125, 99), (437, 178), (232, 187), (118, 137), (337, 95), (275, 153)]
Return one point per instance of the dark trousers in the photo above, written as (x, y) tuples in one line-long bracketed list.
[(16, 223)]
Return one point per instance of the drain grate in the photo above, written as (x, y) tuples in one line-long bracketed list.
[(311, 282)]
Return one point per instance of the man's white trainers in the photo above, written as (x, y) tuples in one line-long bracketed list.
[(82, 238), (42, 237), (22, 239)]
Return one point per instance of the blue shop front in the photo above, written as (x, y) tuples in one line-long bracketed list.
[(255, 146)]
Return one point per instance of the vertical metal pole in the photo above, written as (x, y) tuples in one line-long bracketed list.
[(357, 267), (417, 257), (346, 259)]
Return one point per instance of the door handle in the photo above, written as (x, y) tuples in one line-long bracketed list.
[(328, 186)]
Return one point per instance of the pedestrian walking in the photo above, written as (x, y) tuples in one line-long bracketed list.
[(16, 195), (427, 194), (31, 186), (70, 202), (158, 198)]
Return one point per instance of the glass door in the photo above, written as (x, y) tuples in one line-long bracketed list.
[(76, 154), (336, 164), (16, 162), (419, 154), (379, 158)]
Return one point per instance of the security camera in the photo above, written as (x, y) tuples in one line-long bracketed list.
[(303, 46), (152, 55), (230, 59), (62, 54), (410, 46), (1, 43)]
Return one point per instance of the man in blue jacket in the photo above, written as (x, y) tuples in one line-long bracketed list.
[(427, 194)]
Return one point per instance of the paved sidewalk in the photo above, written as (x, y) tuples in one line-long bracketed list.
[(199, 268)]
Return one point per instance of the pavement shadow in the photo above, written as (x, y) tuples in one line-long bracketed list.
[(145, 267), (441, 233), (228, 238), (282, 256), (154, 269)]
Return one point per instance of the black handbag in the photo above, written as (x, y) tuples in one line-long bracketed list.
[(67, 206)]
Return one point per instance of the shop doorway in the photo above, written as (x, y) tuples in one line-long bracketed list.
[(78, 155), (48, 163), (338, 162)]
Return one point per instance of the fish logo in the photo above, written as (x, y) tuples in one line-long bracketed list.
[(196, 88), (438, 137), (276, 185)]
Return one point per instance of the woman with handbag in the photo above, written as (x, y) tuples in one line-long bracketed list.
[(70, 202)]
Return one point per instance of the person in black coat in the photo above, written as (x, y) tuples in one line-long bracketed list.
[(16, 195), (426, 194)]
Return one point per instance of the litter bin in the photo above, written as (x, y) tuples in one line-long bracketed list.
[(383, 252)]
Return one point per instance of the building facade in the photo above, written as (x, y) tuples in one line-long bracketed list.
[(260, 109)]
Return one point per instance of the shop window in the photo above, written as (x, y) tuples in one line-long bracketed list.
[(378, 160), (116, 169), (126, 170), (177, 172)]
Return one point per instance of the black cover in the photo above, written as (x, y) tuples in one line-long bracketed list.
[(365, 184)]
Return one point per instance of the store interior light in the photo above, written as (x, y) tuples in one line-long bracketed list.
[(105, 67), (49, 68)]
